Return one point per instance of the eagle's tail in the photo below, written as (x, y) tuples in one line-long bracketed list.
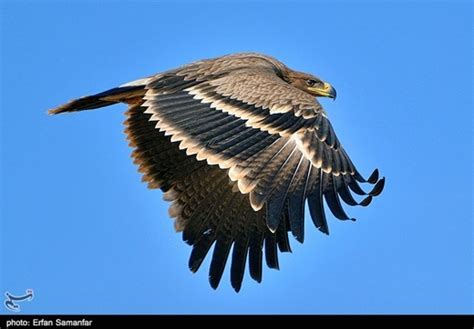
[(125, 94)]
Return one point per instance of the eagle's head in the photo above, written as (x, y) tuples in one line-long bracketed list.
[(311, 84)]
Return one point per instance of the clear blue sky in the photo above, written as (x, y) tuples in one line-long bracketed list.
[(79, 227)]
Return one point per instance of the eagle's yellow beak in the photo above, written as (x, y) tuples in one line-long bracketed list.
[(325, 91)]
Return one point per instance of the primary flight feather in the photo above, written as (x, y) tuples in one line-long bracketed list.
[(237, 144)]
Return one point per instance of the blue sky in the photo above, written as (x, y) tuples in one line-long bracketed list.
[(79, 227)]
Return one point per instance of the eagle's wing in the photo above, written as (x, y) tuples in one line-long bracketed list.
[(260, 137), (272, 137), (206, 205)]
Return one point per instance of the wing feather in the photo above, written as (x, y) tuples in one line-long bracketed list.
[(271, 252), (282, 233), (256, 255), (239, 258), (276, 199), (296, 200), (315, 200)]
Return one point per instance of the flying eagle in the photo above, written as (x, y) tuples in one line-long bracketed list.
[(237, 144)]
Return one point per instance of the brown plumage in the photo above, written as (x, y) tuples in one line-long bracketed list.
[(237, 144)]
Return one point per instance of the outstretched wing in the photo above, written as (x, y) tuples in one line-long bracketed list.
[(265, 132), (207, 209), (259, 148)]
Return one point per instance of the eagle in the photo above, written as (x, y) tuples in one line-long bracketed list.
[(238, 144)]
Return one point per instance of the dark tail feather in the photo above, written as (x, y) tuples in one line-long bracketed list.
[(127, 94)]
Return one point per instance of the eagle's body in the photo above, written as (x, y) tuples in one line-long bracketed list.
[(237, 143)]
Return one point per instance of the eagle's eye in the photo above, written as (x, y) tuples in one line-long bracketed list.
[(312, 83)]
